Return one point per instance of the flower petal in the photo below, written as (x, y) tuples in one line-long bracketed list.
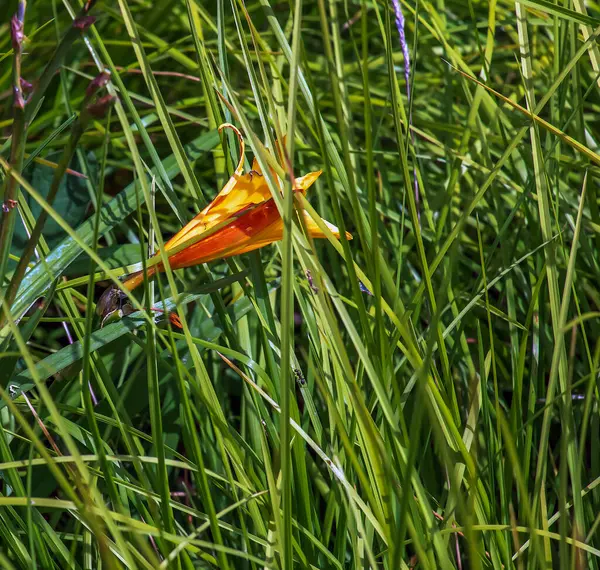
[(230, 240), (305, 182), (237, 195), (315, 231), (274, 232), (246, 214), (241, 191)]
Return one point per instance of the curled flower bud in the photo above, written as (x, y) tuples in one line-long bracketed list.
[(99, 108), (97, 83), (83, 22), (16, 32)]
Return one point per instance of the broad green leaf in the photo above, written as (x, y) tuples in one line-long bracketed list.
[(38, 279)]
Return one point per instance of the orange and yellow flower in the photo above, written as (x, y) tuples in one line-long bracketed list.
[(243, 217)]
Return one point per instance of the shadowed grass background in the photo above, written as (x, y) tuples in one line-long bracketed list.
[(423, 396)]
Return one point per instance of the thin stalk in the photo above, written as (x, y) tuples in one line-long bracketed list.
[(88, 405), (80, 24), (287, 308), (77, 130), (25, 111), (17, 150)]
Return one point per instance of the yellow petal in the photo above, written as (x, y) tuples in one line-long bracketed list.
[(241, 192), (305, 182), (315, 231), (237, 195)]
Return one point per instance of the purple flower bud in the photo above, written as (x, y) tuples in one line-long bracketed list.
[(364, 289), (403, 45), (97, 83), (18, 100), (309, 277), (84, 22), (16, 32), (25, 85), (8, 205), (99, 108), (399, 16)]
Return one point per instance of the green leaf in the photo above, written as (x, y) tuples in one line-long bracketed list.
[(72, 354), (38, 279), (71, 202)]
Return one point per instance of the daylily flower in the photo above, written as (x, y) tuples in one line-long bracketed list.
[(243, 217), (247, 217)]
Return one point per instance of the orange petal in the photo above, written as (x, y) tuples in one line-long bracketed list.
[(247, 190), (228, 241), (246, 209), (240, 192), (256, 228), (274, 232)]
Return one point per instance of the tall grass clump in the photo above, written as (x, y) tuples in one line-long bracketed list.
[(424, 395)]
